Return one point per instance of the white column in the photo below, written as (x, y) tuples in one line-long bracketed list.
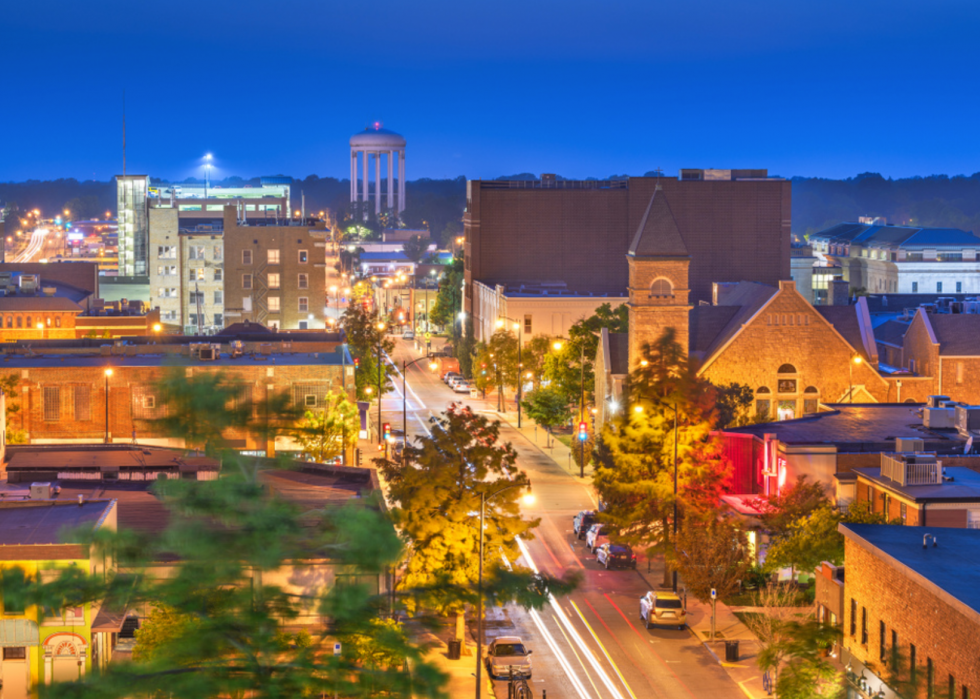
[(364, 187), (377, 183), (401, 180), (391, 183), (353, 175)]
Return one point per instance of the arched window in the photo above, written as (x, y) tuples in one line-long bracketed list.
[(763, 404), (10, 321), (29, 324), (661, 287), (20, 321), (786, 369), (810, 401), (811, 389), (57, 321)]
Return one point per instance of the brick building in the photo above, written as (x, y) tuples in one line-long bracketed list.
[(274, 275), (66, 395), (735, 225), (911, 603)]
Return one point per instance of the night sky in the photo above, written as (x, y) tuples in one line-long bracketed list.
[(579, 87)]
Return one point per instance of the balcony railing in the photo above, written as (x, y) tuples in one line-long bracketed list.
[(918, 469)]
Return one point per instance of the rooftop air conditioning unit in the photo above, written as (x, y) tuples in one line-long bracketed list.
[(907, 445), (938, 418), (237, 348), (40, 491), (935, 401), (209, 353), (967, 419)]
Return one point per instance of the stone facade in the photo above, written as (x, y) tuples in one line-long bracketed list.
[(659, 299)]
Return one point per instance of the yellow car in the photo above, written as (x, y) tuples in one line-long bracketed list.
[(662, 609)]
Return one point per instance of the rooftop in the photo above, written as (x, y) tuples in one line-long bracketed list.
[(898, 236), (963, 486), (49, 361), (951, 569), (45, 522)]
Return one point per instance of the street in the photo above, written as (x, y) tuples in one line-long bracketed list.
[(591, 643)]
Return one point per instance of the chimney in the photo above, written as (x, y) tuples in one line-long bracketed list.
[(839, 292)]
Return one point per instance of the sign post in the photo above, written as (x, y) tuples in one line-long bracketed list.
[(714, 598)]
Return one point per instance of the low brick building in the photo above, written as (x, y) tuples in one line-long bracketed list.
[(912, 608)]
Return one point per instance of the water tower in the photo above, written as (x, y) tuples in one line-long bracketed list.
[(372, 143)]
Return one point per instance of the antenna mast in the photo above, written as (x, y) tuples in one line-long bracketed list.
[(124, 132)]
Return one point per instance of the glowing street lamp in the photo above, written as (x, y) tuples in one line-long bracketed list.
[(108, 373)]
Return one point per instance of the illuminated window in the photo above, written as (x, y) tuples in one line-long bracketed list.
[(273, 257), (273, 304), (303, 257), (273, 280), (217, 274), (195, 252)]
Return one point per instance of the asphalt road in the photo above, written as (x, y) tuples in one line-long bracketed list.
[(591, 643)]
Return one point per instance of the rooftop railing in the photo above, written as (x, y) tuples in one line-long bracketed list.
[(912, 469)]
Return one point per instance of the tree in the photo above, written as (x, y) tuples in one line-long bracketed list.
[(447, 303), (779, 512), (798, 657), (324, 434), (416, 247), (160, 631), (548, 407), (9, 386), (84, 207), (565, 366), (437, 498), (711, 553), (635, 453), (496, 365), (365, 332), (734, 402)]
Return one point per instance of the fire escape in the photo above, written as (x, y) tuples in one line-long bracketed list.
[(260, 290)]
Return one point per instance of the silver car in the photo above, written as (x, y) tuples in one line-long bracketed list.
[(507, 654)]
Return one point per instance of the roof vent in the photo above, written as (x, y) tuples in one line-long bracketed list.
[(926, 537)]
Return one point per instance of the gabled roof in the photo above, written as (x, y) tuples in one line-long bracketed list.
[(901, 236), (619, 354), (892, 332), (747, 298), (845, 321), (657, 235), (706, 324), (958, 334)]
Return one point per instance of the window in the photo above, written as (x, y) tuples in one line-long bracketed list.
[(29, 323), (167, 292), (903, 511), (786, 369), (930, 678), (57, 321), (10, 321), (871, 496), (966, 692), (218, 252), (195, 252), (959, 372), (167, 252), (304, 281), (310, 401), (273, 304), (246, 281), (219, 296), (52, 403), (273, 258), (864, 626), (939, 287), (273, 280), (144, 403), (527, 324), (219, 320), (83, 403), (168, 315), (20, 321), (854, 613), (149, 402), (661, 287), (166, 270), (894, 649), (196, 296), (959, 287), (197, 275), (217, 274), (11, 606), (246, 257), (912, 668), (303, 257), (881, 640), (15, 652), (915, 287), (304, 304)]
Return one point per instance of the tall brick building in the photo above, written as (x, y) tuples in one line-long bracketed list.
[(734, 224), (913, 606)]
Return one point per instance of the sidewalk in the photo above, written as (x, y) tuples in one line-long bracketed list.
[(745, 673), (462, 672)]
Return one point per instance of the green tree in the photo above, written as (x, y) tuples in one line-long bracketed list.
[(779, 512), (160, 631), (437, 501), (9, 384), (734, 402), (365, 332), (548, 407), (495, 362), (799, 659), (84, 207), (565, 366), (711, 553), (324, 434), (446, 308), (415, 247), (635, 453)]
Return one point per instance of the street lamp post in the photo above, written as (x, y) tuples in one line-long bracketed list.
[(674, 571), (479, 585), (581, 404), (108, 373), (520, 363), (856, 359), (381, 327)]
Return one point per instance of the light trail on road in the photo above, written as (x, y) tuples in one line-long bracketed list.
[(34, 246)]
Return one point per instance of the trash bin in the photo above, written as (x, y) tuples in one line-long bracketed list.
[(731, 651), (455, 649)]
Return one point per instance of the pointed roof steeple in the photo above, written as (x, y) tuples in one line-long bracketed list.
[(657, 235)]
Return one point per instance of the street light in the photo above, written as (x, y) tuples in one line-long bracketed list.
[(405, 366), (581, 408), (40, 327), (855, 360), (528, 500), (520, 342), (108, 373), (381, 327)]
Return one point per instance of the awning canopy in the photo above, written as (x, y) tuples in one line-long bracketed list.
[(19, 632)]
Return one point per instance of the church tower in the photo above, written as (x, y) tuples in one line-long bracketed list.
[(658, 277)]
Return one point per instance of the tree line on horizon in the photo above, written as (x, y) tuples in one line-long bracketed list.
[(818, 203)]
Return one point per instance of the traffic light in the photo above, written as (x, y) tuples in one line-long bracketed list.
[(357, 362), (387, 431), (583, 432)]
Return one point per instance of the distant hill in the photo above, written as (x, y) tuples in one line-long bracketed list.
[(937, 200)]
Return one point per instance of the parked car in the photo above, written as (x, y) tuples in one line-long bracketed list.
[(508, 653), (612, 555), (582, 521), (455, 380), (595, 537), (663, 609), (463, 387), (450, 375)]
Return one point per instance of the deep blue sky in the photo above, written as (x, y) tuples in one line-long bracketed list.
[(482, 89)]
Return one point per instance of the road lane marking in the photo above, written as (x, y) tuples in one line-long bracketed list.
[(747, 692), (572, 646), (665, 662), (625, 652), (603, 649)]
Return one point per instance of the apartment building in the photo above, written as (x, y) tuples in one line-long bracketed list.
[(186, 273), (275, 275)]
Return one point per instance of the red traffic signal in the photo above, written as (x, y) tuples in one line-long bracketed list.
[(583, 431)]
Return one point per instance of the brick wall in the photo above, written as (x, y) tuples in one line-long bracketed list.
[(920, 350), (938, 630)]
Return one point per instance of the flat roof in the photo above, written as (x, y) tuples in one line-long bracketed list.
[(845, 423), (44, 522), (51, 361), (951, 569), (963, 486), (102, 457)]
